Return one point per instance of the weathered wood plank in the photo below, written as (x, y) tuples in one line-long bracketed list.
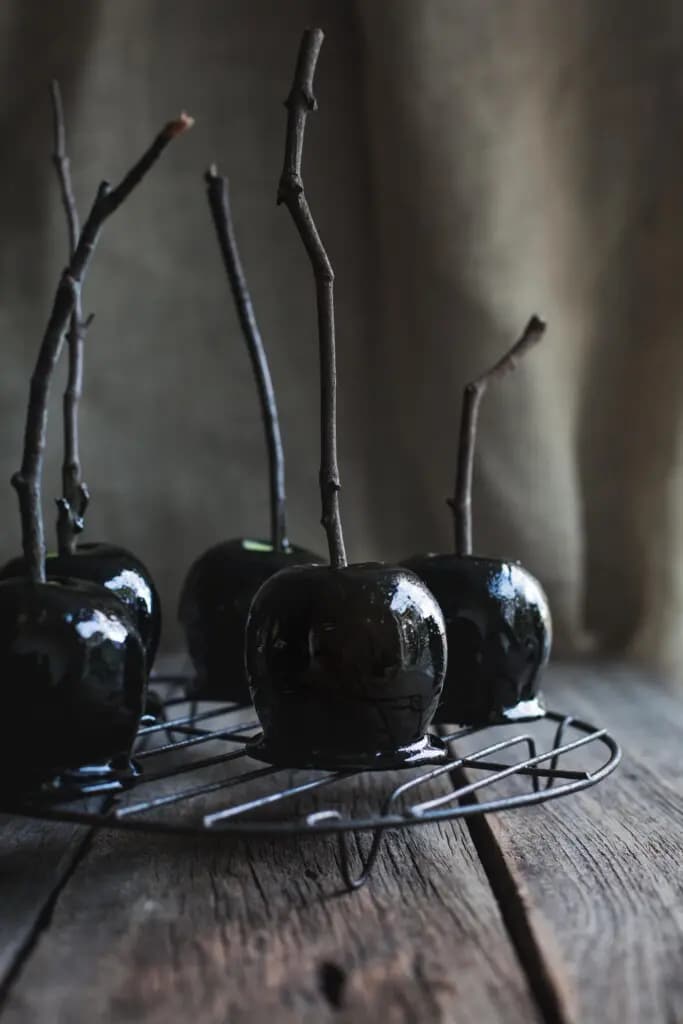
[(590, 888), (35, 859), (593, 885), (159, 929)]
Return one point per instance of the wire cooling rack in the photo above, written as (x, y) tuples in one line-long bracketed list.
[(195, 774)]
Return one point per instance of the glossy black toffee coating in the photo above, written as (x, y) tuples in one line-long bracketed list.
[(499, 634), (118, 571), (214, 605), (73, 680), (346, 667)]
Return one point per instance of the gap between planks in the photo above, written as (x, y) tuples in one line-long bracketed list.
[(164, 930), (543, 956), (589, 887), (34, 900)]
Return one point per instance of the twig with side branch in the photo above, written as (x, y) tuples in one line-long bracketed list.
[(300, 103), (461, 503), (219, 202), (27, 481)]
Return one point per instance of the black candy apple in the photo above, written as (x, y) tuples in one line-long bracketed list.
[(345, 662), (499, 633), (109, 565), (497, 616), (220, 585), (72, 664), (74, 678), (119, 572), (214, 605), (346, 666)]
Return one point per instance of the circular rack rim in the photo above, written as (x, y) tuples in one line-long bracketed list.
[(460, 801)]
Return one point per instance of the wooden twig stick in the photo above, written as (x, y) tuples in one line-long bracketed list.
[(461, 503), (300, 103), (219, 202), (27, 481), (63, 167), (72, 505)]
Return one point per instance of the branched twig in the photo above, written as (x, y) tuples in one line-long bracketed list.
[(291, 192), (27, 481), (219, 203), (71, 507), (461, 503)]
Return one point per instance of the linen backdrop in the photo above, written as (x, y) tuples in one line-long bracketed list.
[(471, 163)]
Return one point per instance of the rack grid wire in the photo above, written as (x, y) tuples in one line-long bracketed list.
[(194, 775)]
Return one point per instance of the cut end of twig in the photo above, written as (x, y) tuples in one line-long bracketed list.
[(214, 180), (532, 334), (56, 92), (313, 37), (59, 157), (302, 87), (309, 51), (180, 125)]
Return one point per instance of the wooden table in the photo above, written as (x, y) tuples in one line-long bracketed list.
[(571, 911)]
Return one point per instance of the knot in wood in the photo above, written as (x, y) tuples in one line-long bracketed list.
[(290, 188), (300, 96)]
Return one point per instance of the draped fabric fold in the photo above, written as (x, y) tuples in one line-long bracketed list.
[(527, 156), (470, 164)]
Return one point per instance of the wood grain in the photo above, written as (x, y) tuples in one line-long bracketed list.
[(592, 886), (36, 858), (583, 897), (166, 930)]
